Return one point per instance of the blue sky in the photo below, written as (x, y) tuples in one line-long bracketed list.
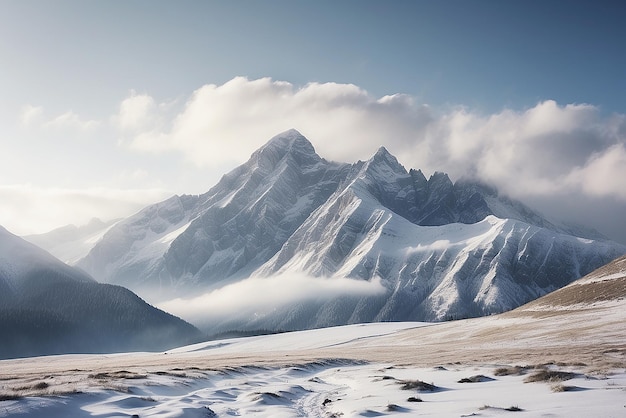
[(484, 54), (108, 106)]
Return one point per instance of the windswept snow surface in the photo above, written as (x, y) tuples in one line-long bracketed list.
[(333, 389), (321, 373)]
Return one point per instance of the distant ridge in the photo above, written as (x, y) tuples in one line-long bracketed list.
[(47, 307), (70, 243)]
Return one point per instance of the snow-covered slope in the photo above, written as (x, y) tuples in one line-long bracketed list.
[(20, 260), (454, 271), (134, 247), (48, 307), (442, 250), (193, 242)]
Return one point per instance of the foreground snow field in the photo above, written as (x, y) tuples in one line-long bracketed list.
[(335, 388), (563, 355), (350, 371)]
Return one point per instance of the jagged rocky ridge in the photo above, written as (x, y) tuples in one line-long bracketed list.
[(442, 249), (48, 307)]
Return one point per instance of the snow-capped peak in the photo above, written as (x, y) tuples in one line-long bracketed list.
[(384, 156), (290, 135), (290, 143), (382, 151), (383, 167)]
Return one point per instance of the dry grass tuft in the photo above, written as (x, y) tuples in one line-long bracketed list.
[(9, 396), (513, 408), (172, 374), (549, 376), (392, 407), (122, 374), (381, 378), (40, 386), (508, 371), (418, 385), (571, 364), (108, 385), (36, 386), (564, 388), (476, 379)]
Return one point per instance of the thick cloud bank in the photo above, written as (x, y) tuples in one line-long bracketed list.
[(547, 149), (256, 297), (567, 160)]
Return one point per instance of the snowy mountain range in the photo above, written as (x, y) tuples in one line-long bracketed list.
[(437, 249), (70, 243), (48, 307)]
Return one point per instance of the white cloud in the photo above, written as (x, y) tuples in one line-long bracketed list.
[(528, 152), (31, 115), (603, 174), (525, 152), (137, 112), (548, 153), (29, 209), (71, 120), (256, 296), (230, 121)]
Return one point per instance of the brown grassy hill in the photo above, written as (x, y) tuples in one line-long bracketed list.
[(606, 284)]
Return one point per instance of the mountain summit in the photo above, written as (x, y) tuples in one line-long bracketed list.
[(440, 249)]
